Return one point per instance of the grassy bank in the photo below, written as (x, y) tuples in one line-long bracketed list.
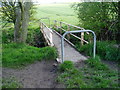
[(19, 55), (94, 74)]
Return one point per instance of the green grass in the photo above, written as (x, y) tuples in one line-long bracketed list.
[(67, 65), (104, 49), (10, 83), (93, 75), (61, 12), (19, 55)]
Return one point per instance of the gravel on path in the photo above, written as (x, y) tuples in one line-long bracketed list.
[(38, 75)]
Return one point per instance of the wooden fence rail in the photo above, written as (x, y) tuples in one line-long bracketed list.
[(59, 24)]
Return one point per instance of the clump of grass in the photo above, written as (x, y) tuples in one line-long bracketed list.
[(10, 83), (19, 55), (97, 64), (66, 65), (93, 75)]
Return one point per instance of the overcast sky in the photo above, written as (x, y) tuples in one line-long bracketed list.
[(51, 1)]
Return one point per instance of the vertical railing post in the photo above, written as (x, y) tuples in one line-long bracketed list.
[(76, 31)]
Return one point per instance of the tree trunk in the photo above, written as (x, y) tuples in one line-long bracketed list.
[(17, 25), (22, 20), (25, 20)]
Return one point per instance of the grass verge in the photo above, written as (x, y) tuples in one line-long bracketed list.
[(10, 83), (93, 75), (19, 55)]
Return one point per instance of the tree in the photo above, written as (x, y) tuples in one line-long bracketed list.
[(102, 17), (17, 12)]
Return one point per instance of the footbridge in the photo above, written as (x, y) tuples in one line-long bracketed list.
[(58, 35)]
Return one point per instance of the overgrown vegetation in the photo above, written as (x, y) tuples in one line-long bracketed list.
[(19, 55), (106, 50), (34, 37), (101, 17), (93, 75)]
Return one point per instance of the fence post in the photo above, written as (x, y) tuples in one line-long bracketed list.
[(82, 38), (68, 29), (55, 24), (60, 27)]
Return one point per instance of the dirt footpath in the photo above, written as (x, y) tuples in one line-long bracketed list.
[(38, 75)]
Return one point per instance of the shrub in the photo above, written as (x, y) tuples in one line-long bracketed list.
[(35, 37), (104, 49), (7, 35)]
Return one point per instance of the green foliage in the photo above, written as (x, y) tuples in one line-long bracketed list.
[(66, 65), (86, 49), (10, 83), (105, 50), (7, 35), (96, 63), (19, 55), (35, 37), (100, 17), (94, 74)]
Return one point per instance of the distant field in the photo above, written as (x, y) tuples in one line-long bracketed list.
[(61, 12)]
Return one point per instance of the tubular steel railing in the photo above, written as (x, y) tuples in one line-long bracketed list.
[(58, 24), (48, 33), (77, 31)]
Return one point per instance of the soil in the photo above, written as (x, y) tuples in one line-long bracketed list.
[(111, 64), (38, 75)]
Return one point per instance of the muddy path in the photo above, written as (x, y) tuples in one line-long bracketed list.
[(38, 75)]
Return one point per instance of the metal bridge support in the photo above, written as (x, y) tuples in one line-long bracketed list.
[(76, 31)]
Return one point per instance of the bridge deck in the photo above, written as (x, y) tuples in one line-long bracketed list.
[(71, 53)]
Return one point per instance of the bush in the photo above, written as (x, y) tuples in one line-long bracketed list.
[(99, 17), (104, 49), (35, 37), (86, 49), (66, 65), (18, 55), (8, 35)]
